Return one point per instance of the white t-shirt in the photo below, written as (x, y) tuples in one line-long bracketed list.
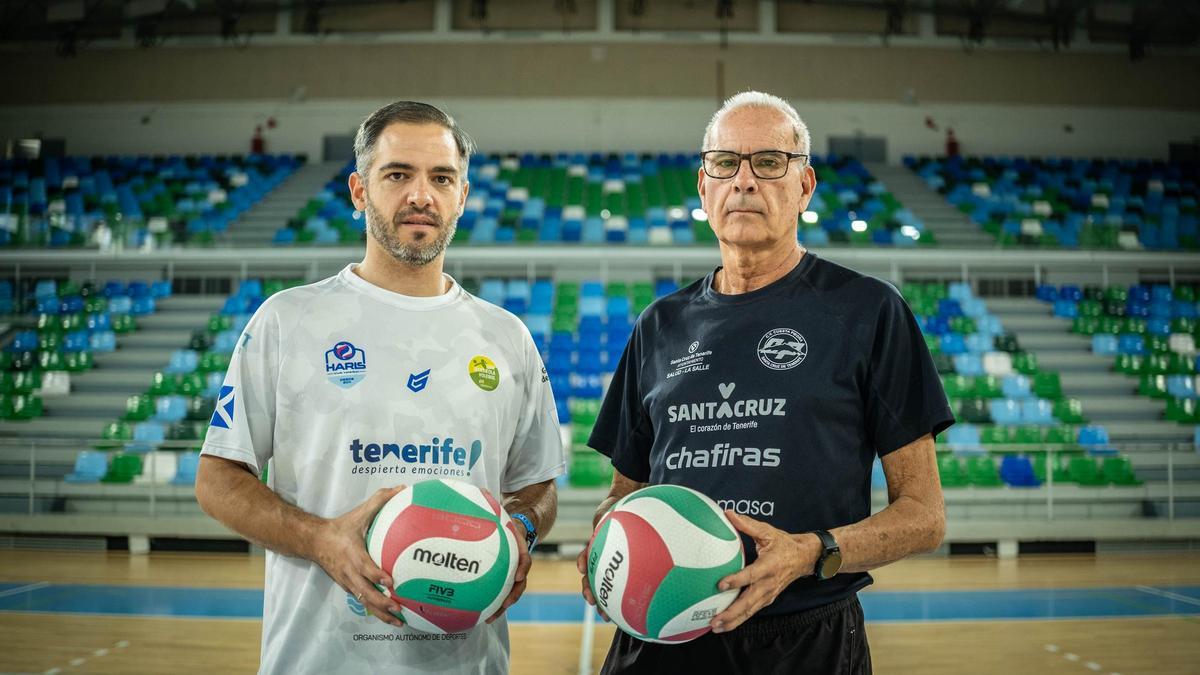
[(325, 381)]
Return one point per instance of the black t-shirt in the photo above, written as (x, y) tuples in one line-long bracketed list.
[(775, 402)]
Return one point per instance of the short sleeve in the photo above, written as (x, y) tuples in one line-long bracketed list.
[(905, 398), (623, 430), (242, 427), (537, 454)]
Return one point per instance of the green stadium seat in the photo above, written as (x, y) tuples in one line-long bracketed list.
[(1007, 343), (1129, 364), (1028, 435), (78, 362), (1119, 471), (114, 435), (1047, 385), (1154, 386), (219, 322), (975, 411), (996, 434), (1063, 435), (24, 407), (190, 384), (1183, 411), (958, 386), (26, 381), (1085, 325), (199, 409), (989, 386), (164, 384), (123, 323), (200, 341), (138, 408), (123, 468), (982, 472), (213, 362), (950, 470), (1085, 471), (1025, 363), (1069, 411), (944, 363)]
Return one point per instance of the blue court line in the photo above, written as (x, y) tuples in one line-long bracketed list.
[(879, 606)]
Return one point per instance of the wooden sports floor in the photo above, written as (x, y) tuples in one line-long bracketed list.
[(117, 613)]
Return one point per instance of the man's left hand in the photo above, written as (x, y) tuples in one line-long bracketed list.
[(782, 558), (523, 564)]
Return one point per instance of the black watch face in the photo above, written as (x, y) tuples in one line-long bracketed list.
[(831, 564)]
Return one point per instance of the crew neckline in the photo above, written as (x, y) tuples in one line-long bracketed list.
[(806, 262), (410, 302)]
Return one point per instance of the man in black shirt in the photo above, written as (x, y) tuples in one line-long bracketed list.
[(770, 386)]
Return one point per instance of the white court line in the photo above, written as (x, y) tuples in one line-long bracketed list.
[(22, 589), (1168, 594)]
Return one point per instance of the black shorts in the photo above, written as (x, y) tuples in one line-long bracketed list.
[(827, 640)]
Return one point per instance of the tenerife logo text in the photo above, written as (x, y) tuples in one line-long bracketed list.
[(439, 457), (345, 364), (448, 559), (736, 409), (721, 455)]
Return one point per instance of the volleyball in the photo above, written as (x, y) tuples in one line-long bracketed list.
[(655, 559), (451, 551)]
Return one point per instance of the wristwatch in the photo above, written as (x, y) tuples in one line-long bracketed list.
[(830, 560), (530, 531)]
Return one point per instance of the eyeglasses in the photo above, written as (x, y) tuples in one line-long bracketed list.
[(765, 164)]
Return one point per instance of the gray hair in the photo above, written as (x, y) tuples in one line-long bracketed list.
[(758, 99), (405, 112)]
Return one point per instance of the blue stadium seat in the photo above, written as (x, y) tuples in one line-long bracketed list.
[(189, 462), (1105, 344), (90, 467), (1016, 387), (1005, 411), (146, 436), (170, 408), (1037, 411), (1017, 471), (183, 361)]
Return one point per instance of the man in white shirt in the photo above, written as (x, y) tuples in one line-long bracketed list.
[(382, 376)]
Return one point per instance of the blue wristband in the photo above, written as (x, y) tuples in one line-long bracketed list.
[(530, 532)]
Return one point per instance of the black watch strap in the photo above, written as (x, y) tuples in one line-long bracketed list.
[(829, 548)]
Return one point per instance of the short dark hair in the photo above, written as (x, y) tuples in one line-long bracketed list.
[(405, 112)]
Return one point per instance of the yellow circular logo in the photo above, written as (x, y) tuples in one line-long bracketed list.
[(484, 373)]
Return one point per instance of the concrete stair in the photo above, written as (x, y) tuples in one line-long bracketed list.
[(951, 227), (258, 225)]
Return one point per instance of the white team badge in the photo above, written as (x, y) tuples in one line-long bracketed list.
[(782, 349)]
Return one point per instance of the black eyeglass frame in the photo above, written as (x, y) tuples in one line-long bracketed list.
[(749, 156)]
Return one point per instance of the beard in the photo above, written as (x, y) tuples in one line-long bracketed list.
[(424, 249)]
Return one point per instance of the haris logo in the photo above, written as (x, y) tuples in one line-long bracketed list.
[(345, 364), (417, 381), (782, 349)]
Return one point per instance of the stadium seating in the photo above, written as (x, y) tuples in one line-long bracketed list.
[(1071, 203), (99, 201), (1151, 332), (618, 199)]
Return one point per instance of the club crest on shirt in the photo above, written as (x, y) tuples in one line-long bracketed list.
[(345, 364), (484, 373), (782, 349)]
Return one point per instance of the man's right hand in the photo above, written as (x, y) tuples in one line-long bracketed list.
[(338, 548)]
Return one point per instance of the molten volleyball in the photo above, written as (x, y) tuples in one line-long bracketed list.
[(655, 559), (451, 551)]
